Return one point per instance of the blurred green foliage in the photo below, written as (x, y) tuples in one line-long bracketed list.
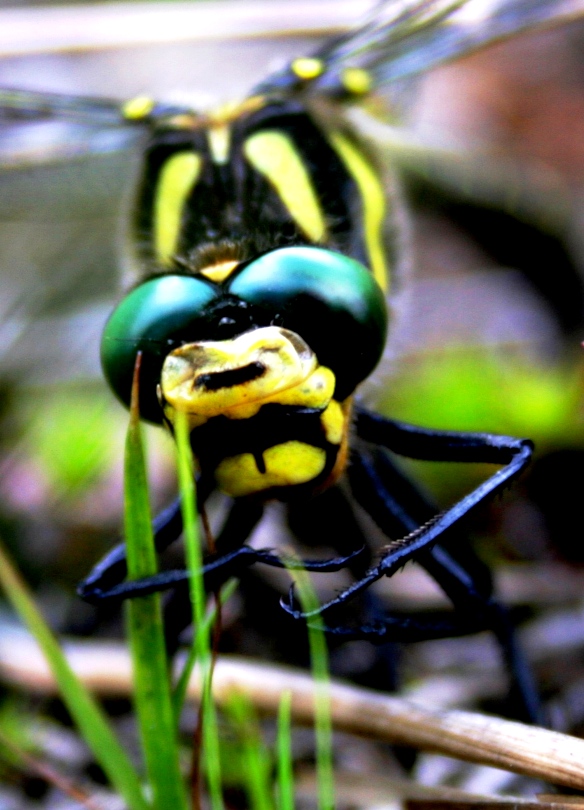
[(482, 389), (75, 434)]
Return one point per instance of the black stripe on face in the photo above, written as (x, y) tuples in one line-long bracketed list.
[(231, 378)]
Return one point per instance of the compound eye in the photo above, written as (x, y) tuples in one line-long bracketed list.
[(331, 301), (154, 318)]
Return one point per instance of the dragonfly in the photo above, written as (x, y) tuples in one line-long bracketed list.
[(264, 231)]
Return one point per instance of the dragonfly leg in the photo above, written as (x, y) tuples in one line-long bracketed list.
[(111, 570), (106, 582), (407, 440), (406, 629), (330, 520), (399, 508), (463, 577), (435, 541)]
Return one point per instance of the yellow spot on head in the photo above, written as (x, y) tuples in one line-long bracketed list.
[(356, 81), (313, 392), (307, 67), (220, 271), (287, 464), (137, 108)]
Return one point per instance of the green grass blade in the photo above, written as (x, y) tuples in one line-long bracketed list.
[(152, 697), (202, 641), (180, 690), (82, 707), (285, 786), (211, 754), (320, 673), (256, 761)]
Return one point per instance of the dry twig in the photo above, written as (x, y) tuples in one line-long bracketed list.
[(105, 667)]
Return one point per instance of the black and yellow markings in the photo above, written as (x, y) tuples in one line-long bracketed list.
[(298, 180), (178, 175), (374, 202), (177, 179), (284, 449), (264, 393), (219, 126), (290, 375), (220, 271), (219, 138), (274, 155), (288, 464)]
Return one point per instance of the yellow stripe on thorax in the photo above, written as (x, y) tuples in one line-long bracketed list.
[(273, 154), (374, 203), (175, 183)]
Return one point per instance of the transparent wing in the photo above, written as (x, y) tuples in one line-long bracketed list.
[(65, 165), (68, 161), (29, 105), (68, 164), (59, 250), (403, 38)]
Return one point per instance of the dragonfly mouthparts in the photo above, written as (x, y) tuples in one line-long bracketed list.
[(227, 379)]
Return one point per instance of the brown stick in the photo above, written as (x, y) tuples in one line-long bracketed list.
[(536, 752)]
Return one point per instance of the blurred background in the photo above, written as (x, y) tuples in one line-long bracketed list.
[(487, 336)]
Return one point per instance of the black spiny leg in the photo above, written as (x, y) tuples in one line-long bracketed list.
[(455, 567), (110, 572), (98, 587), (379, 489), (106, 579), (106, 584), (329, 519), (378, 486)]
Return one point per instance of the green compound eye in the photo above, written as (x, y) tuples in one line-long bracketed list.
[(154, 318), (331, 301)]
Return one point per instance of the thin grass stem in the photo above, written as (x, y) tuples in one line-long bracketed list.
[(285, 773), (202, 639), (322, 705)]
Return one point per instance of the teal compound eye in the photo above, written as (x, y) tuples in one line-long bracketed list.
[(154, 318), (331, 301)]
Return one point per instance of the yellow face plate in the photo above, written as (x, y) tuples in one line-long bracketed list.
[(203, 379), (233, 380)]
